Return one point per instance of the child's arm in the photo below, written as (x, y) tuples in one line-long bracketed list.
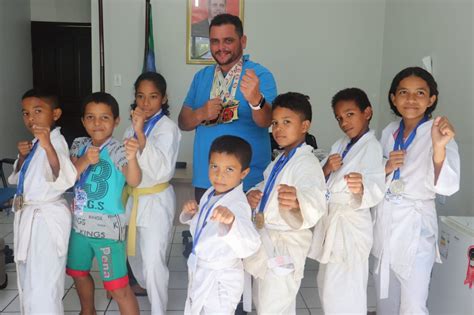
[(302, 200), (288, 202), (236, 228), (91, 157), (333, 163), (441, 133), (24, 147), (132, 171), (138, 121), (254, 197), (43, 136), (395, 160), (367, 185), (355, 183), (223, 215), (190, 208)]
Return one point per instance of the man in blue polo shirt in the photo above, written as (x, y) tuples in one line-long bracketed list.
[(231, 98)]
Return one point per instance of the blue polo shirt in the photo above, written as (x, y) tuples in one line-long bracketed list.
[(244, 127)]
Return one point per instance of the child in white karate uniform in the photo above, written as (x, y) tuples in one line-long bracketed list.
[(222, 230), (43, 172), (152, 203), (422, 161), (356, 181), (289, 201)]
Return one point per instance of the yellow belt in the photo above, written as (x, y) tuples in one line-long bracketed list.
[(132, 225)]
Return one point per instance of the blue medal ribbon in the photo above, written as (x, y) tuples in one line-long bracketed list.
[(403, 145), (351, 144), (24, 168), (150, 123), (206, 208), (279, 165)]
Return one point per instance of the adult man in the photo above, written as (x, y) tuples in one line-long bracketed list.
[(233, 98), (200, 30)]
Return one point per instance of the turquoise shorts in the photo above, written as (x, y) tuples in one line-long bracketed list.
[(111, 258)]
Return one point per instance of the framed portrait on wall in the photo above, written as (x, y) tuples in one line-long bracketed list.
[(199, 15)]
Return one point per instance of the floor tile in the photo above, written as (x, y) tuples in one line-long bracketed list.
[(371, 298), (71, 301), (176, 250), (6, 218), (9, 239), (6, 297), (316, 311), (177, 264), (181, 227), (143, 304), (311, 264), (311, 297), (309, 280), (176, 299), (5, 229), (177, 238), (14, 305), (178, 280), (12, 284), (299, 301)]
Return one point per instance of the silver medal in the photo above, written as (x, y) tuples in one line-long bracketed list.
[(397, 186)]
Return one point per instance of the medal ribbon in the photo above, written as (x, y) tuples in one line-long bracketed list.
[(403, 145), (24, 168), (351, 144), (150, 123), (198, 230), (221, 84), (279, 165)]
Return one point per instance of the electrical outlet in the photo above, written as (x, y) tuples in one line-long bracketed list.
[(117, 80)]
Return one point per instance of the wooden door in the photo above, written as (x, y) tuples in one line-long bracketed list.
[(62, 61)]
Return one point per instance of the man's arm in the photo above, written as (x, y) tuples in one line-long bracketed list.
[(263, 117), (189, 119), (250, 88)]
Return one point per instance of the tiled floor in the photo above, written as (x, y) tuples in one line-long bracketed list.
[(307, 300)]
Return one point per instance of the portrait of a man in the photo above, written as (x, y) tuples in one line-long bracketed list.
[(200, 15)]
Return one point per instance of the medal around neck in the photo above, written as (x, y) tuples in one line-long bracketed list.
[(18, 203), (397, 187), (259, 220)]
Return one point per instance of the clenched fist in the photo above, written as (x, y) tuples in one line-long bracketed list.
[(190, 207), (131, 148), (222, 215), (254, 197)]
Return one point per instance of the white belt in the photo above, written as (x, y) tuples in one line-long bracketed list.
[(339, 197), (220, 264), (277, 227)]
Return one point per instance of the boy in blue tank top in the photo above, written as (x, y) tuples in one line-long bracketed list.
[(104, 166)]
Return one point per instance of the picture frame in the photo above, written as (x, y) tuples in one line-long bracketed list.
[(197, 26)]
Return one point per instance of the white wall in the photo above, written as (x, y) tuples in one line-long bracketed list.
[(315, 47), (78, 11), (444, 30), (16, 74)]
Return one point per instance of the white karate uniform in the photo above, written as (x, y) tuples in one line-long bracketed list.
[(343, 238), (155, 212), (41, 230), (406, 229), (289, 236), (215, 287)]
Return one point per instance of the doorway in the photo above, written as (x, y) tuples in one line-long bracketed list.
[(62, 60)]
